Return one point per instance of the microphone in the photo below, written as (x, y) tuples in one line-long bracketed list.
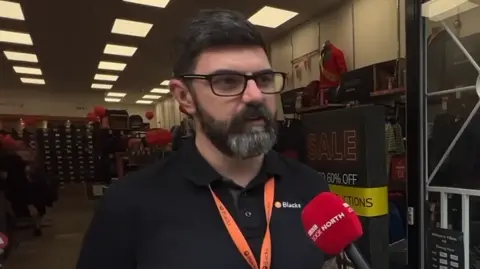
[(333, 226)]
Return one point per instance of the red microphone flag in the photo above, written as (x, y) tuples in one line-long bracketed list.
[(331, 223)]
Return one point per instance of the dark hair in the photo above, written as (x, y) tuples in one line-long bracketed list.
[(213, 28)]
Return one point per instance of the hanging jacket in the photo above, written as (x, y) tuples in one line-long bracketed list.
[(332, 66), (399, 146), (390, 143)]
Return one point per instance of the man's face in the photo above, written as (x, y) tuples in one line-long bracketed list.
[(241, 126)]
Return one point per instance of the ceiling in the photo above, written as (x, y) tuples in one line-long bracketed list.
[(69, 38)]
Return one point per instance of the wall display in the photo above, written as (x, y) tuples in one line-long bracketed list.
[(305, 69), (389, 76), (136, 122), (117, 119), (289, 100), (373, 80), (347, 148), (446, 249), (67, 152), (356, 85)]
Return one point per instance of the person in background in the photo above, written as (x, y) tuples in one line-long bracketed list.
[(16, 185), (25, 184), (40, 194), (224, 199)]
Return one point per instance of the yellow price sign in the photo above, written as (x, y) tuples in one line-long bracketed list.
[(367, 202)]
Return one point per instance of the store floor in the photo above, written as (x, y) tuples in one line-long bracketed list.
[(58, 247)]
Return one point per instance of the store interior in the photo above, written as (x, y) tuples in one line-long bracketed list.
[(84, 88)]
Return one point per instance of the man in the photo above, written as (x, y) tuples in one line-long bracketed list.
[(224, 200)]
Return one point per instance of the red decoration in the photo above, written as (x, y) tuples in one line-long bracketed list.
[(158, 137), (29, 121), (91, 116), (7, 141), (149, 115), (100, 111)]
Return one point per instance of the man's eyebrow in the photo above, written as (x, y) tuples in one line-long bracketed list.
[(268, 70), (231, 71), (225, 71)]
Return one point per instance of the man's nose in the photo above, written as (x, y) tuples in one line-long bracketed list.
[(252, 93)]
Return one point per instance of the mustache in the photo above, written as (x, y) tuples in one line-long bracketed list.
[(254, 110), (251, 110)]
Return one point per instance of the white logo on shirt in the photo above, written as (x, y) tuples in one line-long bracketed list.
[(285, 204)]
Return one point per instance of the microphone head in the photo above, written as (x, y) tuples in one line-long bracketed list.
[(331, 223)]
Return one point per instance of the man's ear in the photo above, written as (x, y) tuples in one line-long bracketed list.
[(180, 92)]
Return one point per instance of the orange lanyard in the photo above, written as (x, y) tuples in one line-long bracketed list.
[(237, 236)]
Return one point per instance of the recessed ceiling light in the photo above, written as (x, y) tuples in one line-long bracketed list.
[(119, 50), (15, 37), (106, 77), (271, 17), (101, 86), (159, 90), (11, 10), (20, 56), (32, 80), (144, 102), (111, 66), (116, 94), (112, 100), (440, 10), (152, 3), (132, 28), (27, 70), (151, 96), (165, 83)]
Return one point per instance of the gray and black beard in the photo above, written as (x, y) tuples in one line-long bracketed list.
[(235, 137)]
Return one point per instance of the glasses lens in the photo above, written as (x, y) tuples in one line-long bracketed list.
[(228, 84), (270, 82)]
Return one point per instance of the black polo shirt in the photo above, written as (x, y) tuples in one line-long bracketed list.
[(164, 217)]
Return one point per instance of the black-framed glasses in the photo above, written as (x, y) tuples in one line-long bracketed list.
[(233, 83)]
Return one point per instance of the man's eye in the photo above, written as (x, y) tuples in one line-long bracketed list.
[(264, 78), (227, 79)]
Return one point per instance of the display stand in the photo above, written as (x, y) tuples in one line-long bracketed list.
[(67, 152), (347, 148)]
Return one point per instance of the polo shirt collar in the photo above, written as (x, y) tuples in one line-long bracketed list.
[(200, 172)]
